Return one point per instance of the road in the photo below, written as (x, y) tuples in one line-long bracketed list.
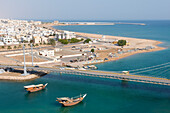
[(102, 74)]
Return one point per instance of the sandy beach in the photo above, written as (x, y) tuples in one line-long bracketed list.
[(134, 43), (12, 76)]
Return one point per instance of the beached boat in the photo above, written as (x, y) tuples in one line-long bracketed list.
[(66, 101), (34, 88)]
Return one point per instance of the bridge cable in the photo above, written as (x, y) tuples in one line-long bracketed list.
[(149, 67)]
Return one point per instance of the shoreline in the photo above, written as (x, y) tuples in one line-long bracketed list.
[(154, 43), (140, 43), (17, 77)]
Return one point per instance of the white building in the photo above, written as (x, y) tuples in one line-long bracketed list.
[(47, 53), (65, 35), (1, 43), (58, 49)]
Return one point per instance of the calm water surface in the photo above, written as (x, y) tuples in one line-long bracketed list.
[(104, 95)]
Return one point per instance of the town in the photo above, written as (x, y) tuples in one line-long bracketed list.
[(48, 47)]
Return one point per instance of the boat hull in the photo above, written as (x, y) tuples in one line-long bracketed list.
[(35, 89), (72, 104), (66, 101)]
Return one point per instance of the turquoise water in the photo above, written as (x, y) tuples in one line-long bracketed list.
[(155, 30), (104, 95)]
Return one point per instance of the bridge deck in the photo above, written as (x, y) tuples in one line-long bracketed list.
[(102, 74)]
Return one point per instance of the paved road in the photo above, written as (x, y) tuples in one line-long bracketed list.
[(26, 49), (103, 74)]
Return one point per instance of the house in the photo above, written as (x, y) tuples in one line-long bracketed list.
[(44, 39), (65, 35), (37, 39), (9, 40)]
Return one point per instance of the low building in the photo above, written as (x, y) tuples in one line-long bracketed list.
[(9, 40), (37, 39), (58, 49), (47, 53), (44, 39), (65, 35), (1, 43)]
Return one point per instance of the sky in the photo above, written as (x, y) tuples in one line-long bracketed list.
[(86, 9)]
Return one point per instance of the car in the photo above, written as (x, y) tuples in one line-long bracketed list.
[(36, 66)]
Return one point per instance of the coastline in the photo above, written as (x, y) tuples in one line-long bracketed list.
[(136, 42), (17, 77), (153, 43)]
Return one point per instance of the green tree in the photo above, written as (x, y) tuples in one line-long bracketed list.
[(3, 47), (36, 45), (25, 41), (92, 50), (63, 41), (87, 40), (15, 47), (19, 46), (9, 47), (52, 42), (31, 41), (44, 43), (121, 42), (74, 40)]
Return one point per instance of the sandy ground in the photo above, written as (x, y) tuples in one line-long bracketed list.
[(16, 76), (134, 42), (104, 54), (28, 58), (5, 60)]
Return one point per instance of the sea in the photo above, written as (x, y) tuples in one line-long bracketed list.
[(103, 95)]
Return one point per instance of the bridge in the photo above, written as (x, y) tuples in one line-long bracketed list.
[(103, 74)]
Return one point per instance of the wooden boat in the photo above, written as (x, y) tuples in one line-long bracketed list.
[(34, 88), (66, 101)]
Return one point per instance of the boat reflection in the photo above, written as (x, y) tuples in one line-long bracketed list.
[(68, 109), (34, 95)]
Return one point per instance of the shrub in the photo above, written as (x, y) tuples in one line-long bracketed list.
[(25, 41), (44, 43), (15, 47), (36, 45), (19, 46), (31, 41), (87, 40), (52, 42), (92, 50), (121, 42), (9, 47), (3, 47), (63, 41), (74, 40)]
